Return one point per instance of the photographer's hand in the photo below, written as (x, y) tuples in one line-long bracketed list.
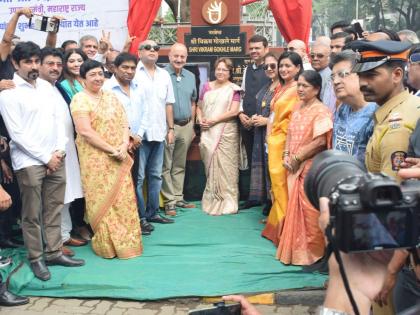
[(246, 307), (410, 168)]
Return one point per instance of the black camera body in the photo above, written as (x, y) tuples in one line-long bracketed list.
[(367, 211), (372, 212)]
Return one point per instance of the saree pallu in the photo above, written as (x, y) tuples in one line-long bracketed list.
[(111, 206), (302, 241), (219, 149), (259, 190), (283, 104)]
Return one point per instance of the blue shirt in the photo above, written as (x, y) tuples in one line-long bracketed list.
[(352, 130), (185, 92), (134, 105), (159, 93)]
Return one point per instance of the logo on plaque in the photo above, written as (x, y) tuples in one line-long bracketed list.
[(214, 11)]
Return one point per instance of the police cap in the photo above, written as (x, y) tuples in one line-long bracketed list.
[(376, 53)]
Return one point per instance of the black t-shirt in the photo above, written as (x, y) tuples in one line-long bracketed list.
[(6, 69)]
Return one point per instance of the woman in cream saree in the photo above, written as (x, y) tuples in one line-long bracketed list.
[(219, 146)]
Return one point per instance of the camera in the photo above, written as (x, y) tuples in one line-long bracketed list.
[(367, 211), (220, 308), (43, 23)]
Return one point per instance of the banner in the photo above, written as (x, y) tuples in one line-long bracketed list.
[(82, 17)]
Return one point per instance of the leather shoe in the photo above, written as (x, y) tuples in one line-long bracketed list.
[(67, 251), (249, 204), (72, 241), (8, 243), (146, 226), (145, 232), (7, 298), (158, 219), (66, 261), (40, 270), (184, 204)]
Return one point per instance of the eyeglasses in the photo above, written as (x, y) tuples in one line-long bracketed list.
[(290, 49), (341, 74), (272, 66), (415, 58), (149, 47), (52, 64), (223, 70), (318, 56)]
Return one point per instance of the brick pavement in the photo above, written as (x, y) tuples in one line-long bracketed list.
[(53, 306)]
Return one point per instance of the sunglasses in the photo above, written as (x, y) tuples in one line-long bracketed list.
[(290, 49), (318, 56), (150, 47), (341, 74), (272, 66), (415, 58)]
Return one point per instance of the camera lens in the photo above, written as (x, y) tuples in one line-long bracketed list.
[(327, 170)]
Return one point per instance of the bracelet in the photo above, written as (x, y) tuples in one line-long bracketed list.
[(296, 158), (171, 128), (285, 153)]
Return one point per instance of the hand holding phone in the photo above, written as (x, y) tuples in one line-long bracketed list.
[(219, 308)]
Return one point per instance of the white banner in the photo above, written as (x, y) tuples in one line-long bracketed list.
[(82, 17)]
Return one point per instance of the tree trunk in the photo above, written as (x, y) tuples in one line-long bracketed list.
[(185, 9)]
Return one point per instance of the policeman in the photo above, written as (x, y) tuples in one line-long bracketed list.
[(381, 68)]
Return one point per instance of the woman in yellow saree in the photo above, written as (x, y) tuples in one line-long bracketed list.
[(102, 143), (283, 103), (309, 132)]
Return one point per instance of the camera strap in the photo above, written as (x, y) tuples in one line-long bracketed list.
[(334, 248)]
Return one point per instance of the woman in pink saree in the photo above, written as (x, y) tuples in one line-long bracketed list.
[(309, 132), (219, 145)]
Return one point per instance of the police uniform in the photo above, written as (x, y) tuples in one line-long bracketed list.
[(396, 119)]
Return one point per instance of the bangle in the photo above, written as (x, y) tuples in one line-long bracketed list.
[(171, 128), (286, 153), (296, 158)]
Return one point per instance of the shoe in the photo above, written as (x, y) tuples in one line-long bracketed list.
[(184, 204), (146, 226), (66, 261), (170, 210), (249, 204), (158, 219), (7, 298), (145, 232), (40, 270), (67, 251), (72, 241), (8, 243), (84, 232)]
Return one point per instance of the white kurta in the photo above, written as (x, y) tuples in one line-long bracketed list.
[(73, 181)]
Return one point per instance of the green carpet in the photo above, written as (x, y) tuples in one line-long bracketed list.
[(199, 255)]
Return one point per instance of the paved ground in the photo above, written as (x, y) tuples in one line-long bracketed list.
[(52, 306)]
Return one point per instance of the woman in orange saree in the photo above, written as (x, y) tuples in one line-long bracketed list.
[(102, 142), (283, 103), (309, 132)]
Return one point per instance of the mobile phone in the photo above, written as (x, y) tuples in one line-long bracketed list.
[(358, 29), (43, 23), (219, 309)]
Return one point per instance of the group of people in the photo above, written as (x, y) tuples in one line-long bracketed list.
[(97, 135)]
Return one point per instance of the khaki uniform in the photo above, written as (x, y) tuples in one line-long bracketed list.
[(394, 122)]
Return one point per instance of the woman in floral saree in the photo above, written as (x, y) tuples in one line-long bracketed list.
[(102, 143)]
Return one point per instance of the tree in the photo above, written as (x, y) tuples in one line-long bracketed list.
[(185, 9)]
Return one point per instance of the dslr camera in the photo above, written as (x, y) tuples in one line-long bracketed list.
[(368, 211)]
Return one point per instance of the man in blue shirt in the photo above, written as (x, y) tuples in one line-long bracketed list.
[(175, 156), (353, 120)]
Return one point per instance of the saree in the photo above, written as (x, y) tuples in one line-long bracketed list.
[(219, 149), (283, 104), (301, 240), (259, 190), (111, 206)]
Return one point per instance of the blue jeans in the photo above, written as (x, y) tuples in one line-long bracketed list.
[(150, 167)]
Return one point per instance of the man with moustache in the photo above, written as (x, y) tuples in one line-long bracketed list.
[(131, 95), (381, 69), (50, 70), (299, 47), (37, 146), (253, 80), (338, 41), (159, 97), (175, 156), (353, 120)]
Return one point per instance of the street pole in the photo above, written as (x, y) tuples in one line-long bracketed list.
[(178, 18), (357, 9)]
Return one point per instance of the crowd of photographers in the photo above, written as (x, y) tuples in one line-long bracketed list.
[(355, 96)]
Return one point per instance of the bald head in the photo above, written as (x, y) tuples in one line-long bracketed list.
[(323, 40), (178, 56), (298, 47)]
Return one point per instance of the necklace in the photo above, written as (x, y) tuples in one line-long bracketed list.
[(97, 96), (268, 94)]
